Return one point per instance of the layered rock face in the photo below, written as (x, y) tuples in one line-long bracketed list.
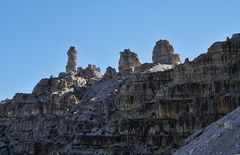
[(72, 57), (163, 53), (127, 62), (144, 113)]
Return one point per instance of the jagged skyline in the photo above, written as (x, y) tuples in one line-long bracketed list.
[(35, 36)]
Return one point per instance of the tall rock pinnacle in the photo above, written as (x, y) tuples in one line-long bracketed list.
[(72, 60)]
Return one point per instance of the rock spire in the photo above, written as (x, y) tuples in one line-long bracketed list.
[(72, 60)]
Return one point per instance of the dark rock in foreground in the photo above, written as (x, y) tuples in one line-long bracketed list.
[(221, 137)]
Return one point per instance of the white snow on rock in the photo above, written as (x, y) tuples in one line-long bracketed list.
[(160, 68)]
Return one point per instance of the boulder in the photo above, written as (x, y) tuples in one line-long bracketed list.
[(163, 52)]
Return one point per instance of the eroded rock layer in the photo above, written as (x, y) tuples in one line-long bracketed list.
[(142, 113)]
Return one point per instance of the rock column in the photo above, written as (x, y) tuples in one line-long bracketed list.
[(127, 62), (72, 60)]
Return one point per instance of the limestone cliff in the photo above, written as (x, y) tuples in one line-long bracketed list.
[(146, 111)]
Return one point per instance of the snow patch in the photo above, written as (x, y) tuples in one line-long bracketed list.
[(160, 68)]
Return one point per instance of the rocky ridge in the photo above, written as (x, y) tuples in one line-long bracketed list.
[(145, 109)]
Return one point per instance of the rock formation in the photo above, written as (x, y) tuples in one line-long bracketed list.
[(72, 60), (110, 73), (163, 53), (92, 71), (151, 112), (127, 62)]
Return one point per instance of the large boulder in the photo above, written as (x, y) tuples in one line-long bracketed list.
[(163, 53), (127, 62)]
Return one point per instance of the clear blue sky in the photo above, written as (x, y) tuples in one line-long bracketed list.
[(36, 34)]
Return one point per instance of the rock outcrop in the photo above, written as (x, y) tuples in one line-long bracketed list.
[(110, 73), (150, 112), (127, 62), (163, 53), (92, 71), (72, 60)]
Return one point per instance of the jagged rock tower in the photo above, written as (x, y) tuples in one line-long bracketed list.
[(127, 62), (72, 60)]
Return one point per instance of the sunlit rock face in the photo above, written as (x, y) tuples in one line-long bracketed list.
[(145, 112), (163, 53), (127, 62)]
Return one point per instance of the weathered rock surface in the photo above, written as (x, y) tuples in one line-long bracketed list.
[(127, 62), (149, 112), (110, 73), (92, 71), (221, 137), (163, 53), (72, 60)]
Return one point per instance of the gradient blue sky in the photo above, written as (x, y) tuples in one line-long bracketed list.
[(36, 34)]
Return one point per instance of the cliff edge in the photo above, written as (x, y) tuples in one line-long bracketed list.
[(149, 108)]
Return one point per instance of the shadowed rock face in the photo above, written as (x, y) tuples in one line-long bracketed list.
[(221, 137), (143, 113), (72, 60), (163, 53)]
